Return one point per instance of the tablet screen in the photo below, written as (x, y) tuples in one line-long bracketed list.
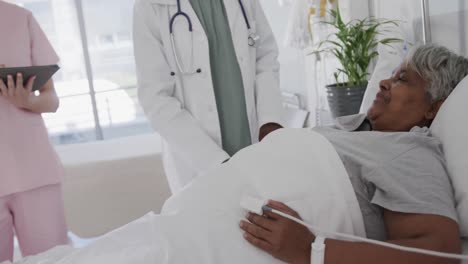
[(42, 73)]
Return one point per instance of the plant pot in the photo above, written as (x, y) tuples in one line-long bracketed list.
[(344, 99)]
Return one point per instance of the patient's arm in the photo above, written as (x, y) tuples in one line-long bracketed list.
[(415, 230)]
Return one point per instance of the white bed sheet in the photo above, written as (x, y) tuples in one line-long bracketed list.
[(60, 252), (195, 228)]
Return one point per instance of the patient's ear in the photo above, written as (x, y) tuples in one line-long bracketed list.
[(433, 110)]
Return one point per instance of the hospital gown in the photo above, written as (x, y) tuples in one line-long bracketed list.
[(402, 172)]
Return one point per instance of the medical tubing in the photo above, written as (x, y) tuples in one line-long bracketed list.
[(366, 240)]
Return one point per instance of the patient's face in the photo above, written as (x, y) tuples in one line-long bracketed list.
[(402, 102)]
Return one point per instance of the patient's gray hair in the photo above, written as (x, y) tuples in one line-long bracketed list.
[(441, 68)]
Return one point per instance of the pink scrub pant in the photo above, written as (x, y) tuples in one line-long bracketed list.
[(36, 217)]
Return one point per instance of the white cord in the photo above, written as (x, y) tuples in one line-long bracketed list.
[(369, 241)]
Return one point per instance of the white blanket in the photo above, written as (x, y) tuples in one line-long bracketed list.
[(200, 225)]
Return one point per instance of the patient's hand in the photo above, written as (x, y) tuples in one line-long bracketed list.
[(282, 238), (267, 129)]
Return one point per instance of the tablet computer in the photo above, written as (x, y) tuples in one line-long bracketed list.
[(42, 73)]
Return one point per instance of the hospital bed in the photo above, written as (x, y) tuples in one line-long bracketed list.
[(111, 183), (154, 235), (114, 177), (449, 29), (118, 181)]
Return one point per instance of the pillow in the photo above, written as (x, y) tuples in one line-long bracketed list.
[(389, 59), (451, 127)]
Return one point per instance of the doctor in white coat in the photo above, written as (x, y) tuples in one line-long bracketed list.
[(212, 86)]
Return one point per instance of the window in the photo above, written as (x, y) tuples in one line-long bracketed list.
[(97, 80)]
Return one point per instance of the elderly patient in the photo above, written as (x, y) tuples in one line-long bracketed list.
[(397, 170)]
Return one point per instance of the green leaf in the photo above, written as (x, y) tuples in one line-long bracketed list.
[(354, 44)]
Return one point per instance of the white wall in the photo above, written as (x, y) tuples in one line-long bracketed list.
[(409, 12), (448, 20), (292, 60), (449, 24), (354, 9)]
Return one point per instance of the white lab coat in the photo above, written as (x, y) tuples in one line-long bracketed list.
[(188, 120)]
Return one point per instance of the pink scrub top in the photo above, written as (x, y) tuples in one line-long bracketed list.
[(27, 158)]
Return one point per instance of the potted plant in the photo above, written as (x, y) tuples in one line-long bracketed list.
[(354, 44)]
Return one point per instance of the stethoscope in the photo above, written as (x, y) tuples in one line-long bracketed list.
[(253, 38)]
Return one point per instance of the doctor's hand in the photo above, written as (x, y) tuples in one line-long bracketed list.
[(282, 238), (16, 93), (267, 129)]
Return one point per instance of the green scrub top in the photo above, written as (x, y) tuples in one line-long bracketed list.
[(226, 74)]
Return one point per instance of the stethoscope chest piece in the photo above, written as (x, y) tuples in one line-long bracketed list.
[(254, 39)]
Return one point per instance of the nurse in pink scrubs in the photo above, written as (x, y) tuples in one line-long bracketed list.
[(31, 203)]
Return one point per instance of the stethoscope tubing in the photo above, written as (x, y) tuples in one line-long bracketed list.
[(186, 16), (252, 39)]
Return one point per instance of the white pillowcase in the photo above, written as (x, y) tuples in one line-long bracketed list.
[(451, 127)]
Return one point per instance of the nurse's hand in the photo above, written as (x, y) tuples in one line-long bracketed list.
[(16, 93), (282, 238), (267, 129)]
